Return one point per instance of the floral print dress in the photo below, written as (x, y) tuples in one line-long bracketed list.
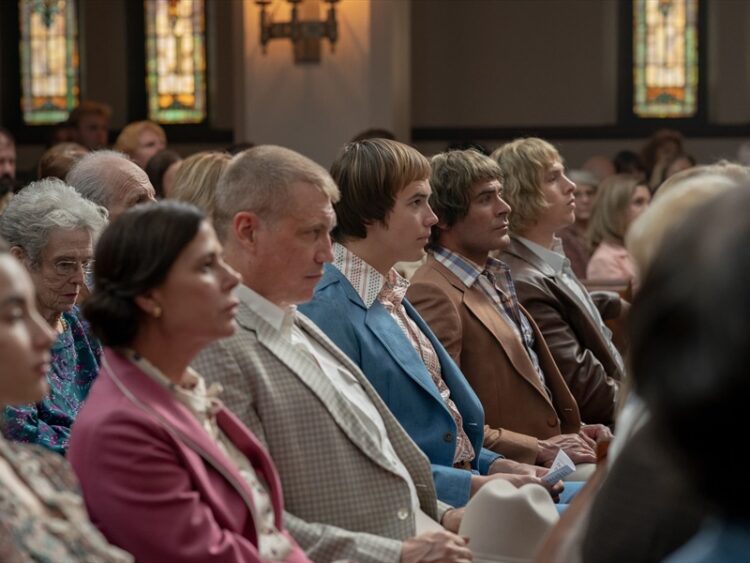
[(75, 364), (61, 532)]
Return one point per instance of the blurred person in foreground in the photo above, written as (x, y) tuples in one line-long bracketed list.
[(167, 472), (690, 323), (52, 231), (636, 519), (42, 516)]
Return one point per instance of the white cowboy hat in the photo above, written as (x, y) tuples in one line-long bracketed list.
[(506, 524)]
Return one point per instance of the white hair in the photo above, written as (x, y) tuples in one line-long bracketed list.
[(44, 206)]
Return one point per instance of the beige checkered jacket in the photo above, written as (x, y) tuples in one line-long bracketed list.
[(342, 499)]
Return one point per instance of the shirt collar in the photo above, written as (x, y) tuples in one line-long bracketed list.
[(466, 270), (280, 319), (366, 280), (554, 257)]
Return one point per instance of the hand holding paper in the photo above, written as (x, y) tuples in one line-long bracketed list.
[(561, 468)]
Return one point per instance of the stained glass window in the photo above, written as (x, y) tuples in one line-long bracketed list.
[(665, 55), (176, 60), (49, 60)]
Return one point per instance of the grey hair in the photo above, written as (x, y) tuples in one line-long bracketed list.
[(43, 206), (259, 179), (89, 175)]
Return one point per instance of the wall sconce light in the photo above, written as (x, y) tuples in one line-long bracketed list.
[(306, 35)]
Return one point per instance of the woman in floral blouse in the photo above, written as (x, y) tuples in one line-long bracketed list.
[(52, 229), (42, 517)]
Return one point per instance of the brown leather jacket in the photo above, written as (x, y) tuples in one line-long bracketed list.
[(577, 344)]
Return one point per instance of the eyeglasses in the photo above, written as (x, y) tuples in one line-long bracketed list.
[(67, 268)]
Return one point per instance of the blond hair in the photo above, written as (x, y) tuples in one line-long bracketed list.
[(609, 218), (127, 140), (197, 177), (524, 163)]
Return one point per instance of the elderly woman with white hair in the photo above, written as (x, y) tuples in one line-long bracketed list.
[(52, 229)]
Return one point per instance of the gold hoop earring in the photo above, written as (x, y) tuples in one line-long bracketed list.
[(156, 312)]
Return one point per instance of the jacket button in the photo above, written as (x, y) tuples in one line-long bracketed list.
[(448, 437), (552, 421), (403, 514)]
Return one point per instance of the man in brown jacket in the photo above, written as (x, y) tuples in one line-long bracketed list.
[(469, 301), (543, 203)]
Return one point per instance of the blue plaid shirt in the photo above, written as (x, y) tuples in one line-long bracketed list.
[(497, 284)]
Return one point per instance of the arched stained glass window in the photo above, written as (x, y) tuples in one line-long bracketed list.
[(665, 57), (49, 60), (176, 60)]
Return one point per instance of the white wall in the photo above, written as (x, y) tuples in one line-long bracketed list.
[(315, 109)]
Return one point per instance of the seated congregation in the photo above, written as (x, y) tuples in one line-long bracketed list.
[(220, 359)]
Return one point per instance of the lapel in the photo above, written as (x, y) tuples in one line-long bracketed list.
[(306, 369), (480, 306), (176, 419), (385, 330), (249, 445), (519, 250), (506, 337), (418, 466)]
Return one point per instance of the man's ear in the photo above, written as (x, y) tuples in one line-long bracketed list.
[(245, 225), (18, 253)]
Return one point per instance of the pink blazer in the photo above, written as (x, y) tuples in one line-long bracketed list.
[(154, 481)]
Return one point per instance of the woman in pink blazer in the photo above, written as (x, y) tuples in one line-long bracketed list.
[(167, 472)]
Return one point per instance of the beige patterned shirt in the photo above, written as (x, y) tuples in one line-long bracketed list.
[(389, 291)]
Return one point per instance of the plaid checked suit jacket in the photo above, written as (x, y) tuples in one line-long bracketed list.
[(342, 499)]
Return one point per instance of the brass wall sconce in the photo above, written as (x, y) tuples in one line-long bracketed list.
[(306, 35)]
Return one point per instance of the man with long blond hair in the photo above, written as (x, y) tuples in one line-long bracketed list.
[(543, 203)]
